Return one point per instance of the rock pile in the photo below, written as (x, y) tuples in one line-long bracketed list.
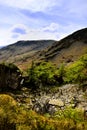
[(67, 95)]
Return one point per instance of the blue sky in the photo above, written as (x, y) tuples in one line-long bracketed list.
[(40, 19)]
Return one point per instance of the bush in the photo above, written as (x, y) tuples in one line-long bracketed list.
[(45, 73), (42, 73), (77, 72)]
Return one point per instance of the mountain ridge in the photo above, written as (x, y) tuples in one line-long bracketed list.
[(66, 50), (20, 51)]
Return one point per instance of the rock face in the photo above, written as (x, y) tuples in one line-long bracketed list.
[(9, 77)]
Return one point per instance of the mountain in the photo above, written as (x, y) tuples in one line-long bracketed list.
[(66, 50), (22, 52)]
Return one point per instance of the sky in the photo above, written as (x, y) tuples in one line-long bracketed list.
[(40, 19)]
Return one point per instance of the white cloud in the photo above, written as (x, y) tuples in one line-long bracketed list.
[(36, 34), (4, 37), (10, 36), (33, 5), (54, 31), (51, 28)]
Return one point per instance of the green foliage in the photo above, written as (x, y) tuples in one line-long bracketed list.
[(45, 74), (84, 59), (42, 74), (77, 72), (60, 74), (70, 113)]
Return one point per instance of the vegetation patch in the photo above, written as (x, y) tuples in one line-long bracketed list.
[(14, 117)]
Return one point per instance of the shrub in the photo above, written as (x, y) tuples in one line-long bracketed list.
[(42, 73), (45, 73), (77, 72)]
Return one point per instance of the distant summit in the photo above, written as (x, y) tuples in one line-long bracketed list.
[(22, 52)]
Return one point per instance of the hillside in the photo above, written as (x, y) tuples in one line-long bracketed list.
[(22, 52), (68, 49)]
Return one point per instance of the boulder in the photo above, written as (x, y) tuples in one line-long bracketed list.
[(56, 102), (10, 77)]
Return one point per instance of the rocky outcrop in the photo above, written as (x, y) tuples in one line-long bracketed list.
[(10, 77)]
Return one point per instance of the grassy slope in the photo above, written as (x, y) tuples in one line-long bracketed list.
[(23, 51), (68, 49)]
